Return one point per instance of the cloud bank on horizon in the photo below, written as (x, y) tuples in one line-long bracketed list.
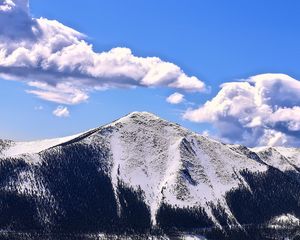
[(262, 110), (59, 65), (62, 67)]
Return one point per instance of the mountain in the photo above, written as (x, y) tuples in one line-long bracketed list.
[(142, 175)]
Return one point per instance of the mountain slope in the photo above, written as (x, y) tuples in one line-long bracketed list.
[(141, 166)]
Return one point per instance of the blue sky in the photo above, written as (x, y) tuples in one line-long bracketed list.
[(215, 41)]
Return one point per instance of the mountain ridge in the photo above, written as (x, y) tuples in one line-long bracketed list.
[(176, 178), (66, 139)]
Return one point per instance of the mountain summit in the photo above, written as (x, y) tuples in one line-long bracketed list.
[(140, 173)]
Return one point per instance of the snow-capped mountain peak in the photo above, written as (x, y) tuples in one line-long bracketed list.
[(168, 165)]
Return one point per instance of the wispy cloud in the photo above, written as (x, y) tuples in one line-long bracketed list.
[(61, 111), (38, 108)]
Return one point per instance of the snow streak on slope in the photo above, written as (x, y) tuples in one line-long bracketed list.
[(171, 164), (145, 154)]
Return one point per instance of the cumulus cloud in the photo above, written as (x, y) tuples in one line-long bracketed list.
[(61, 111), (175, 98), (261, 110), (60, 66)]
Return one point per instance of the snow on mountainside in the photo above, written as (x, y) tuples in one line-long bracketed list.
[(169, 163), (173, 164), (284, 159), (13, 149), (285, 219)]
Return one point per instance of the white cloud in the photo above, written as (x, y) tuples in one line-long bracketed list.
[(262, 110), (175, 98), (62, 67), (61, 111), (205, 133), (63, 93), (38, 108)]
